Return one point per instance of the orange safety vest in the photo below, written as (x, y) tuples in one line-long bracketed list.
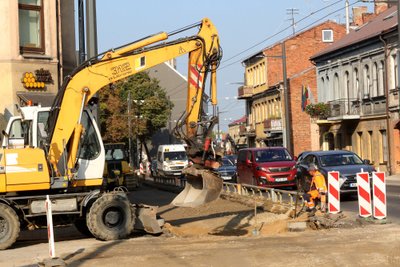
[(318, 181)]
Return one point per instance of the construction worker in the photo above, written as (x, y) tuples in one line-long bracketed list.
[(317, 189)]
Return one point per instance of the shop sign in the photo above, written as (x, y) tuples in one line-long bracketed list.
[(37, 80)]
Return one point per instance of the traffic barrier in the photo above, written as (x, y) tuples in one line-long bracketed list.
[(275, 195), (141, 170), (364, 195), (379, 195), (333, 192), (148, 171), (50, 232)]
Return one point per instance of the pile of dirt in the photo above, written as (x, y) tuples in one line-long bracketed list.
[(238, 216), (221, 218)]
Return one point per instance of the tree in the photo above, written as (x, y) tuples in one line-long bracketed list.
[(150, 109)]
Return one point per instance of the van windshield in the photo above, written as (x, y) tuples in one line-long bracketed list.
[(175, 155), (269, 155)]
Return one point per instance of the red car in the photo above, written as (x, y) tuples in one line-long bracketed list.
[(267, 166)]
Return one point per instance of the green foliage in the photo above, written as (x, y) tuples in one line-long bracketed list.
[(319, 110), (150, 108)]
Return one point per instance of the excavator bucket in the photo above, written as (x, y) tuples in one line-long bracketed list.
[(202, 186)]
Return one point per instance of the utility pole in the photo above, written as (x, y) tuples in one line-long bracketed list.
[(218, 124), (81, 19), (138, 152), (130, 130), (347, 17), (288, 131), (292, 12)]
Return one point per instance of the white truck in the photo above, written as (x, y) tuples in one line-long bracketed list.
[(171, 160)]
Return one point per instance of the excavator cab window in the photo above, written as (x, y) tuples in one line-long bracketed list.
[(41, 124), (90, 145), (19, 134)]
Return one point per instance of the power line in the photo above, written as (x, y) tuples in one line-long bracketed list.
[(270, 37)]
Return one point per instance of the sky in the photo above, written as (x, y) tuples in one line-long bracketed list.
[(244, 28)]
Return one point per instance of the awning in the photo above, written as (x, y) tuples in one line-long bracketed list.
[(37, 98)]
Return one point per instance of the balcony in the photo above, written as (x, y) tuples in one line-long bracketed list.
[(245, 91), (350, 109), (247, 131)]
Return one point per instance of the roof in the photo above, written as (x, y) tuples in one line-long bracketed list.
[(239, 121), (330, 152), (382, 23), (263, 148), (286, 39), (37, 98)]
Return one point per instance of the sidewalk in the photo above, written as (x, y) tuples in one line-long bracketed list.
[(393, 179)]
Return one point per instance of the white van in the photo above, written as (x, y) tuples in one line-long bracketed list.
[(171, 160)]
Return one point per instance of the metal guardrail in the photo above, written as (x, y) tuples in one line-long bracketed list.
[(273, 194)]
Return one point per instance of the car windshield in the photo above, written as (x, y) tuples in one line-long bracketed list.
[(270, 155), (177, 155), (226, 162), (340, 160)]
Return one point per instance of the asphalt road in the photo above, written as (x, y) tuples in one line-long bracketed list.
[(350, 203)]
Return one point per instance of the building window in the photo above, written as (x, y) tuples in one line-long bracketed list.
[(381, 84), (367, 82), (370, 143), (327, 36), (393, 72), (31, 26), (336, 95), (383, 150), (360, 145), (375, 79), (356, 84)]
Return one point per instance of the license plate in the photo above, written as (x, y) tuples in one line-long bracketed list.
[(226, 177), (280, 179), (353, 185)]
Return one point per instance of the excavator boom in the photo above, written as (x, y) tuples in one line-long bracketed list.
[(64, 124)]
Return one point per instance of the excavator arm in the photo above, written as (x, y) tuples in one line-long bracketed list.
[(64, 124)]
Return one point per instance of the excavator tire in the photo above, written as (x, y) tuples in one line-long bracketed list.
[(110, 217), (9, 226), (81, 226)]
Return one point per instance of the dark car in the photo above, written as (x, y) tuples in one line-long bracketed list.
[(232, 158), (266, 166), (347, 163), (227, 171)]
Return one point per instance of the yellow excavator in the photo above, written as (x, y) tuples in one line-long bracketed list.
[(58, 151)]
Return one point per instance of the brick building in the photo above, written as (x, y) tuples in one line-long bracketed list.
[(263, 89)]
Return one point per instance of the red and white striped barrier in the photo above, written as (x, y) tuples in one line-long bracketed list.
[(148, 171), (379, 195), (364, 195), (141, 170), (50, 233), (333, 192)]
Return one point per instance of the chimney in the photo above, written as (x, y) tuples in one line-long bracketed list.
[(381, 6), (358, 13)]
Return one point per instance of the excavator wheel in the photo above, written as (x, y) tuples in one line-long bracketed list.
[(110, 217), (9, 226)]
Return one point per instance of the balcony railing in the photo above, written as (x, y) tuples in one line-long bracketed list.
[(356, 107), (245, 91), (246, 130)]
